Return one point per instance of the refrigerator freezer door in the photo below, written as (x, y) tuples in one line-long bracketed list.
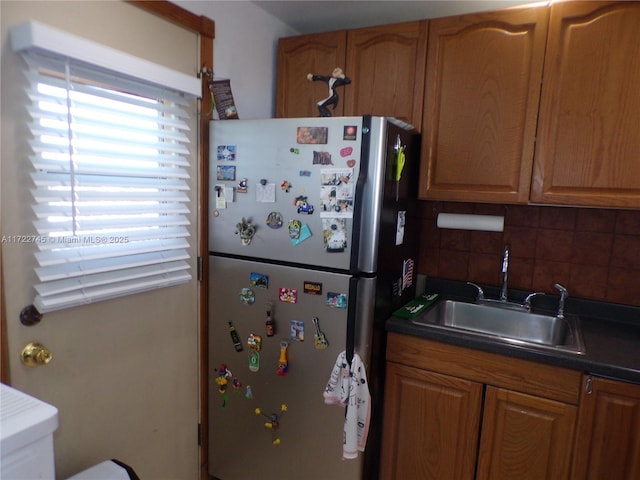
[(310, 432), (285, 178)]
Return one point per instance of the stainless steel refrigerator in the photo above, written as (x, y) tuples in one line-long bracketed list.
[(313, 236)]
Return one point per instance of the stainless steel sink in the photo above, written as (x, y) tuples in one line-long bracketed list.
[(506, 325)]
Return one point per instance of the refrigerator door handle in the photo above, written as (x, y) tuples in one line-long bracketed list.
[(362, 291)]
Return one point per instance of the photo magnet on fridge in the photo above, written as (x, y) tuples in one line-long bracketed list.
[(226, 153), (312, 135)]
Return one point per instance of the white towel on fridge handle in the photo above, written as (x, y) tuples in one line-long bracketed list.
[(348, 387)]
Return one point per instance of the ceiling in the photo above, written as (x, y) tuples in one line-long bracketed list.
[(313, 16)]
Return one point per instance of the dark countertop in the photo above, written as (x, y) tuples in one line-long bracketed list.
[(611, 334)]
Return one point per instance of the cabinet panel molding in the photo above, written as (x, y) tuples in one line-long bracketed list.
[(525, 437), (387, 67), (298, 56), (608, 432), (588, 141), (481, 103), (431, 425)]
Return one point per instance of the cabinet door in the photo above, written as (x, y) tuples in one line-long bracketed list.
[(317, 54), (386, 65), (431, 423), (588, 142), (481, 104), (525, 437), (608, 433)]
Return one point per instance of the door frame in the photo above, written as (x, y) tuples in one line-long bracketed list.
[(205, 28)]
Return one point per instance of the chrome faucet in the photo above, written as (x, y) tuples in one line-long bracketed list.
[(505, 272), (563, 296)]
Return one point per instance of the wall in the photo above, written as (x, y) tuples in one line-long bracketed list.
[(594, 253), (124, 374), (245, 49)]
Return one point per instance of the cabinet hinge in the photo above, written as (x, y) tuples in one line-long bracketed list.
[(199, 268)]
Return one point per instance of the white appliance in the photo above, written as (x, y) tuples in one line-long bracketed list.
[(311, 220), (26, 442), (26, 436)]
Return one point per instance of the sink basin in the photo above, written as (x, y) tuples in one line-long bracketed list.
[(506, 325)]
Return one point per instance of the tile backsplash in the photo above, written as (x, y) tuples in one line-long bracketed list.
[(595, 253)]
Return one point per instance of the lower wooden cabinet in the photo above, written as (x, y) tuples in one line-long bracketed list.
[(525, 437), (608, 432), (431, 425), (491, 425)]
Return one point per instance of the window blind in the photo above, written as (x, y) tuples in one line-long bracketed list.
[(110, 168)]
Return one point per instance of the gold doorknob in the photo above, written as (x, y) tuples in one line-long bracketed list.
[(35, 354)]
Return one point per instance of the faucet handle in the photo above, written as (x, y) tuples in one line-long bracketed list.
[(564, 293), (480, 291), (528, 298)]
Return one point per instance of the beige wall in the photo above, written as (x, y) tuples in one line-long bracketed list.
[(124, 372)]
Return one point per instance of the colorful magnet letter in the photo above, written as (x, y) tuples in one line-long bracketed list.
[(274, 220), (246, 231), (295, 150)]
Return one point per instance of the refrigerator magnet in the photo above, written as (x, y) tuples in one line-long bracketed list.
[(247, 296), (226, 172), (334, 234), (337, 300), (243, 186), (321, 158), (259, 280), (288, 295), (346, 151), (265, 192), (350, 132), (285, 185), (226, 153), (297, 330), (312, 135), (312, 288), (246, 231), (294, 227), (274, 220), (304, 234)]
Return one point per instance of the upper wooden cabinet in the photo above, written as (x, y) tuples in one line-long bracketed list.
[(481, 104), (298, 56), (386, 65), (588, 150)]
